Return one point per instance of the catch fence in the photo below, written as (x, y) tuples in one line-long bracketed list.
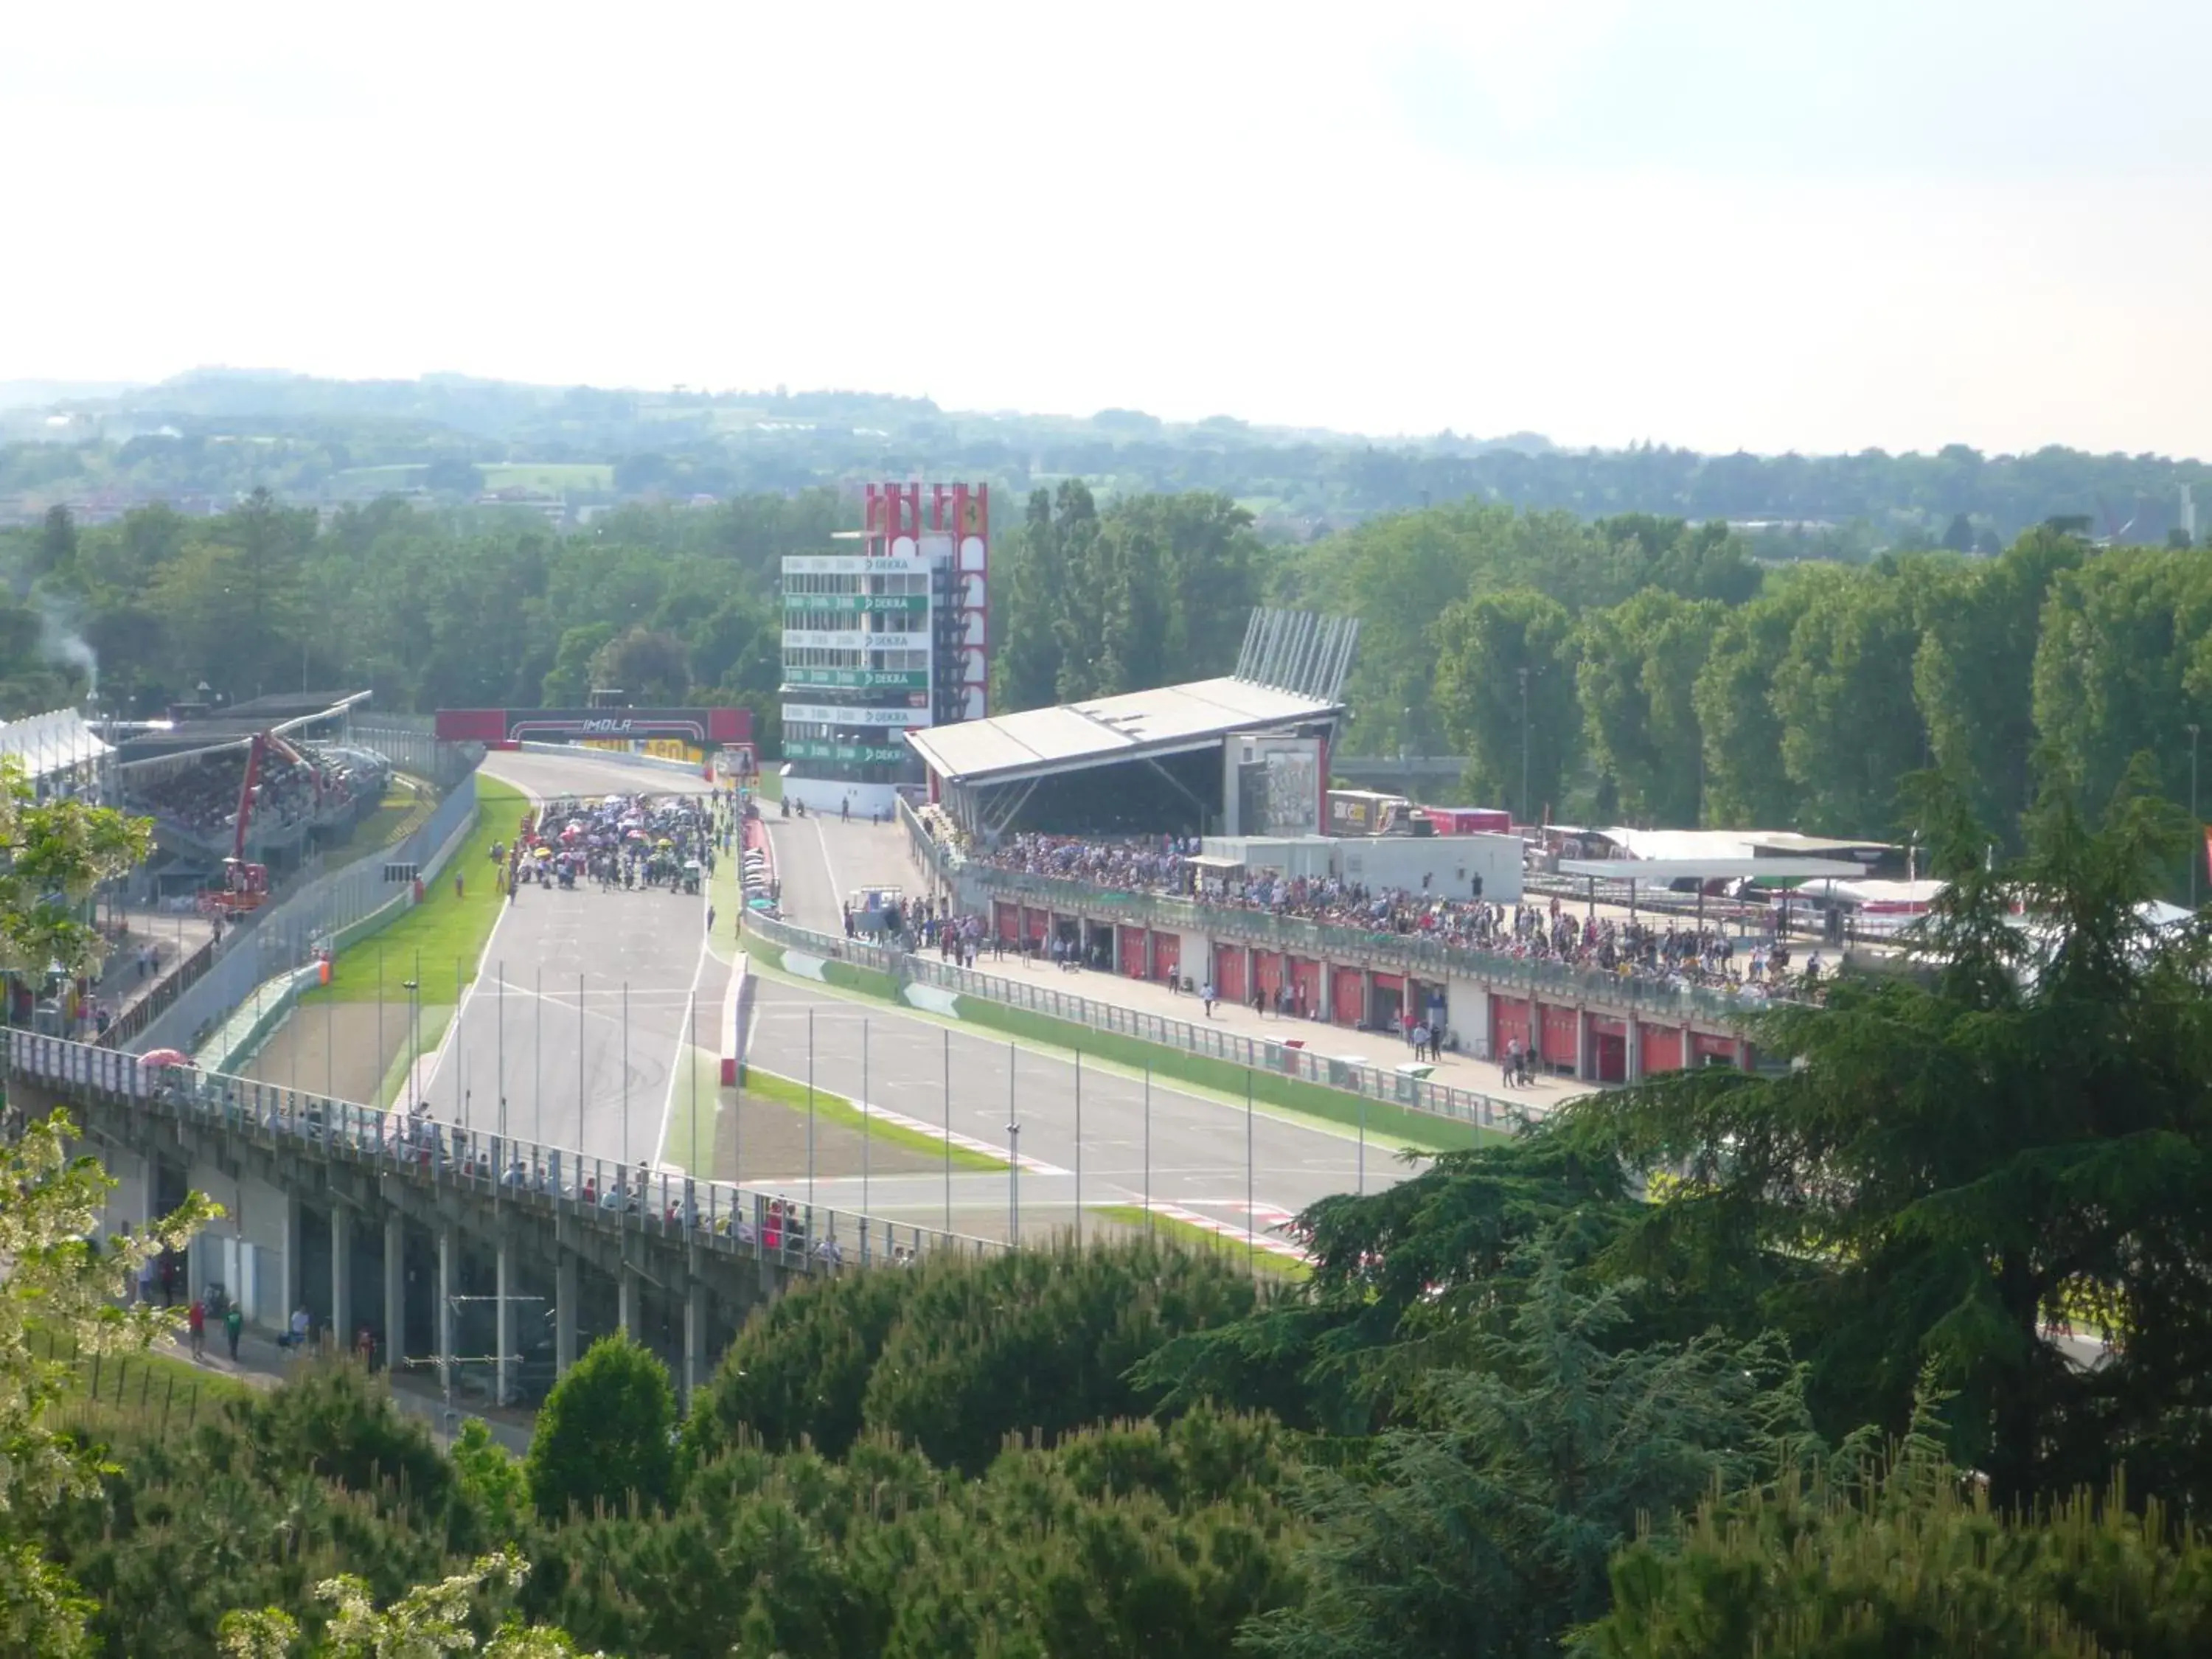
[(807, 1237), (1285, 1056), (331, 912)]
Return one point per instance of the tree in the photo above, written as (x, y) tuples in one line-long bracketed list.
[(1960, 1167), (1505, 689), (603, 1435), (65, 1291), (52, 855), (1958, 535), (1902, 1554), (650, 666), (1485, 1524), (1636, 673), (427, 1623)]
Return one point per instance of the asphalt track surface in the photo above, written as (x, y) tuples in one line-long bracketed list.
[(1184, 1152), (544, 1023), (606, 1084)]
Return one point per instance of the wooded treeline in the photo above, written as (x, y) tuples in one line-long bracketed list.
[(1637, 669)]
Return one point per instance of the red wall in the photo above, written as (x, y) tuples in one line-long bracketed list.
[(1006, 920), (1267, 965), (1509, 1023), (1129, 952), (1562, 1042), (1662, 1048), (1167, 955), (1229, 972), (1347, 1000), (1305, 982)]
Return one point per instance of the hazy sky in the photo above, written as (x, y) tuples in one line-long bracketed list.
[(1769, 224)]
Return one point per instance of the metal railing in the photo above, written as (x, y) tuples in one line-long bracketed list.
[(159, 1000), (811, 1238), (1395, 952), (285, 934), (1283, 1057)]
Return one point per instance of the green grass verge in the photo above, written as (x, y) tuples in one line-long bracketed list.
[(1186, 1233), (412, 1044), (836, 1109), (702, 1083), (395, 817), (1382, 1118), (446, 934), (142, 1391)]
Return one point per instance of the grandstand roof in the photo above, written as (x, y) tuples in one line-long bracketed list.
[(1172, 720), (281, 706)]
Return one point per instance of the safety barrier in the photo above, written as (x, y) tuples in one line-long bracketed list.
[(340, 906), (1282, 1056), (811, 1238)]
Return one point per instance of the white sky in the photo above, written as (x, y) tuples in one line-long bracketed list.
[(1762, 223)]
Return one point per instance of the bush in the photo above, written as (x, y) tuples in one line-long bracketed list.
[(604, 1435)]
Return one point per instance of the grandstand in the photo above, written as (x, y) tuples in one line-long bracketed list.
[(263, 784), (1175, 836)]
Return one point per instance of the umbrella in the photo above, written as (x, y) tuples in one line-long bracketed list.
[(166, 1057), (1413, 1070), (664, 842), (544, 852)]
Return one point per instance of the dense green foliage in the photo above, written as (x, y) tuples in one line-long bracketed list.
[(604, 1436)]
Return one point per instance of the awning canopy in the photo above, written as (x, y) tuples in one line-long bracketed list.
[(1171, 720), (1663, 871), (47, 745)]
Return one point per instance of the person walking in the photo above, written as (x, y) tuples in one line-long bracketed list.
[(1206, 996), (233, 1322), (196, 1327)]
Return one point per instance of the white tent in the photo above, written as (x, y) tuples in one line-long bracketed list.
[(46, 745)]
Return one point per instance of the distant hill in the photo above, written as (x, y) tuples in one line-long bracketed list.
[(45, 394), (216, 432)]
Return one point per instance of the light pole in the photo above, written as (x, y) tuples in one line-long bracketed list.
[(2197, 825), (1525, 819)]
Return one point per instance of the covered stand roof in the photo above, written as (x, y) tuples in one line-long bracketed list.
[(1138, 725), (45, 745), (1710, 869)]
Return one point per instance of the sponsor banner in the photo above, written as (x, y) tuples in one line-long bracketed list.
[(817, 639), (850, 565), (858, 679), (847, 754), (833, 713), (913, 604)]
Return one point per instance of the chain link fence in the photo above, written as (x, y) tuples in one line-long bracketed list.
[(331, 911), (1283, 1057)]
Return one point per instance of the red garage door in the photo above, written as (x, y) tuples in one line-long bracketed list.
[(1305, 988), (1347, 996), (1166, 956), (1229, 970), (1040, 925), (1706, 1050), (1663, 1048), (1130, 950), (1608, 1056), (1509, 1025), (1562, 1038), (1006, 922), (1268, 967)]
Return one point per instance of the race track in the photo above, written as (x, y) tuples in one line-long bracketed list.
[(565, 1077), (568, 1083)]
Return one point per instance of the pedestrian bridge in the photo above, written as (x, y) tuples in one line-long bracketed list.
[(499, 1257)]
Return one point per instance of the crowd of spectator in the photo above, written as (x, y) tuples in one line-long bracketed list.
[(202, 800), (1670, 952)]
